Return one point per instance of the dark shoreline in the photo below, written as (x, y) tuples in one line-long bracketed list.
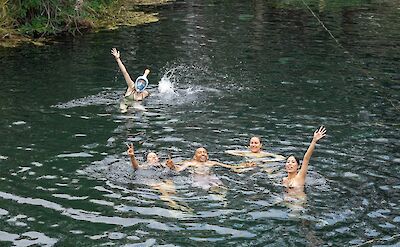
[(129, 13)]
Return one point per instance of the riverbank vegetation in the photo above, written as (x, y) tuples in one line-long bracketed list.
[(37, 20)]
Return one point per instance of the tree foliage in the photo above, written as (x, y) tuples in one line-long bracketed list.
[(49, 17)]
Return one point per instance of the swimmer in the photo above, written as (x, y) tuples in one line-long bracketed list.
[(152, 160), (202, 175), (156, 178), (255, 144), (295, 178), (255, 152), (131, 92), (201, 163)]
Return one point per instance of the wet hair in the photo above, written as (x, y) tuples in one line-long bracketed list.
[(199, 148), (297, 159), (258, 137)]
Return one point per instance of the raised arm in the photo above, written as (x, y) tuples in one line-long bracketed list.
[(131, 153), (121, 66), (318, 134), (170, 164)]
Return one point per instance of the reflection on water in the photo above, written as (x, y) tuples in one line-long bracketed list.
[(221, 73)]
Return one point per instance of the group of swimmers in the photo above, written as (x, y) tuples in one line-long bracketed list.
[(200, 162)]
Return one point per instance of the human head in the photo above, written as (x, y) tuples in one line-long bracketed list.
[(255, 144), (201, 155), (152, 158), (292, 164), (140, 85)]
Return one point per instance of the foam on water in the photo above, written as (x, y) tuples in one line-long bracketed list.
[(102, 98)]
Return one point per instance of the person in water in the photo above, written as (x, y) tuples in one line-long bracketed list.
[(255, 144), (152, 160), (202, 176), (131, 92), (296, 178), (201, 163), (255, 153), (155, 174)]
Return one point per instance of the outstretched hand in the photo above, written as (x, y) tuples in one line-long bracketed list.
[(131, 151), (319, 133), (115, 53)]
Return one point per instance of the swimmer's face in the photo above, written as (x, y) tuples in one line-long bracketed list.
[(255, 145), (152, 158), (291, 164), (201, 155)]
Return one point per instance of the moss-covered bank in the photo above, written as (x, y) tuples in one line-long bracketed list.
[(37, 21)]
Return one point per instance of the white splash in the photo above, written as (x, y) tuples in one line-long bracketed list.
[(182, 84), (166, 84)]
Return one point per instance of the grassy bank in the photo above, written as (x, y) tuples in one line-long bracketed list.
[(36, 21)]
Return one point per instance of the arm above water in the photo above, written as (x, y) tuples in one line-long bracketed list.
[(131, 153), (170, 164), (183, 166), (318, 134), (125, 73)]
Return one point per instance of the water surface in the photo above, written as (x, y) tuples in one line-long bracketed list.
[(238, 69)]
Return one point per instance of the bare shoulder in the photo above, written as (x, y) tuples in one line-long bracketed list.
[(212, 163), (187, 163)]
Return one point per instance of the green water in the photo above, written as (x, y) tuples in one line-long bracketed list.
[(239, 69)]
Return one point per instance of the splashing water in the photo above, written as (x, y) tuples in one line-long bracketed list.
[(171, 77), (187, 77), (166, 86)]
